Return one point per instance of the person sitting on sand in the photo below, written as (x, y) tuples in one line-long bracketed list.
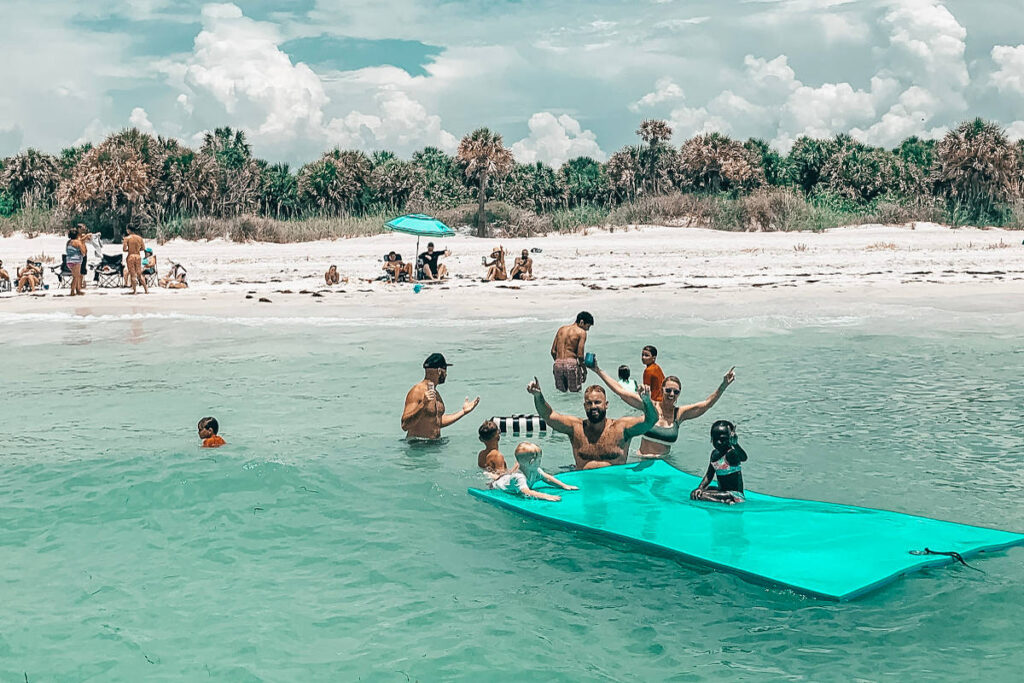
[(522, 268), (528, 474), (430, 261), (28, 276), (4, 277), (177, 278), (496, 267), (568, 350), (423, 416), (333, 277), (597, 441), (148, 262), (209, 430), (490, 459), (394, 267), (725, 465), (657, 443)]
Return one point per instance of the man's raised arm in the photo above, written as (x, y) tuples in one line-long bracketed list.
[(642, 426), (559, 423)]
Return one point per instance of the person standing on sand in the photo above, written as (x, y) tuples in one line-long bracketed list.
[(423, 416), (134, 244), (567, 351), (597, 441), (73, 259)]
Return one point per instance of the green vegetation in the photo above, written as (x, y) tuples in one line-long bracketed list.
[(974, 175)]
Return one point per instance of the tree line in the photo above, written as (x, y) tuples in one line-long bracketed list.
[(974, 173)]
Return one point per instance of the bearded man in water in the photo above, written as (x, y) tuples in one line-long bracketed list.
[(598, 440), (424, 416)]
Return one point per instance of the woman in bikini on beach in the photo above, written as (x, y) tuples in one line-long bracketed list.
[(657, 442)]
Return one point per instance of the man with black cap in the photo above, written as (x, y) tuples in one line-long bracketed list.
[(424, 416)]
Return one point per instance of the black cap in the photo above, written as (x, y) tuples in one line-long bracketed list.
[(435, 360)]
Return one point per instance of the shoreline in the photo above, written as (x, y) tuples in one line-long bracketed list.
[(641, 268)]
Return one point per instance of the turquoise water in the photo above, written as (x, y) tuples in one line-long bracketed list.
[(319, 546)]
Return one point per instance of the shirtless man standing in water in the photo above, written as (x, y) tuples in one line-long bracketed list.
[(568, 350), (134, 244), (597, 441), (424, 416)]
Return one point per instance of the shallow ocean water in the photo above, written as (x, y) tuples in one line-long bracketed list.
[(320, 546)]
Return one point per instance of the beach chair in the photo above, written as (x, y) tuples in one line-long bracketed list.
[(110, 271), (151, 277), (389, 277), (62, 272)]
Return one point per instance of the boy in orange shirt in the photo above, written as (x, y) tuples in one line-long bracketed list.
[(208, 428), (653, 376)]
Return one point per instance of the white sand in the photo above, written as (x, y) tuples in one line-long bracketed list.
[(658, 265)]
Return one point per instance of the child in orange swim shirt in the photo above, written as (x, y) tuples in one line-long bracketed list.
[(208, 428)]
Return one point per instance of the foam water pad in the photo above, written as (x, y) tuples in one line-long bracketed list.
[(825, 550)]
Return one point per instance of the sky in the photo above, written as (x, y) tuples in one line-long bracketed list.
[(557, 78)]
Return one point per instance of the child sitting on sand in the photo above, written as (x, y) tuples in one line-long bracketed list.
[(208, 428), (490, 459), (528, 474), (725, 465)]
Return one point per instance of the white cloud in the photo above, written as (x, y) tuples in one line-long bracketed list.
[(140, 119), (185, 103), (689, 121), (927, 45), (1010, 75), (665, 90), (908, 116), (555, 140), (843, 28), (1015, 131)]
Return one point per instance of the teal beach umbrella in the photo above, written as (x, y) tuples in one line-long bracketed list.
[(419, 224)]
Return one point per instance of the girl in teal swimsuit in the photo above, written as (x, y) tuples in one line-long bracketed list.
[(657, 443)]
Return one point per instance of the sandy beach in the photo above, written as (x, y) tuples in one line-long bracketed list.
[(631, 266)]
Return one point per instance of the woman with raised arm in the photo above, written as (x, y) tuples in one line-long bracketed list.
[(657, 442)]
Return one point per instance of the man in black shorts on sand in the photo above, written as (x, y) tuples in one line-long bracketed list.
[(433, 269)]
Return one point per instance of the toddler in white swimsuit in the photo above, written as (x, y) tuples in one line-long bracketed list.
[(522, 481)]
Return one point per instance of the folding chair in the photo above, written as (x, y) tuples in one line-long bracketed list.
[(110, 271), (62, 272)]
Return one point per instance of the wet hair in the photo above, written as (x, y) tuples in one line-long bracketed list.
[(623, 372), (488, 430), (333, 267), (653, 350), (595, 387), (718, 424), (585, 318), (673, 378), (530, 448), (209, 423)]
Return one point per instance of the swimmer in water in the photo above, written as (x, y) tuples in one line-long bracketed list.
[(528, 474), (568, 351), (490, 459), (725, 465), (657, 442), (208, 432), (423, 416)]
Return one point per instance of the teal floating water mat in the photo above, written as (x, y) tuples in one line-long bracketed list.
[(825, 550)]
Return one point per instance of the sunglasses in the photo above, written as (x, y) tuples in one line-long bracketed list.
[(671, 392)]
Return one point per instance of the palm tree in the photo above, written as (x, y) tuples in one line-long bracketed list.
[(30, 178), (442, 177), (584, 181), (483, 155), (656, 133), (717, 163), (336, 183), (397, 182), (623, 171), (976, 168), (113, 183)]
